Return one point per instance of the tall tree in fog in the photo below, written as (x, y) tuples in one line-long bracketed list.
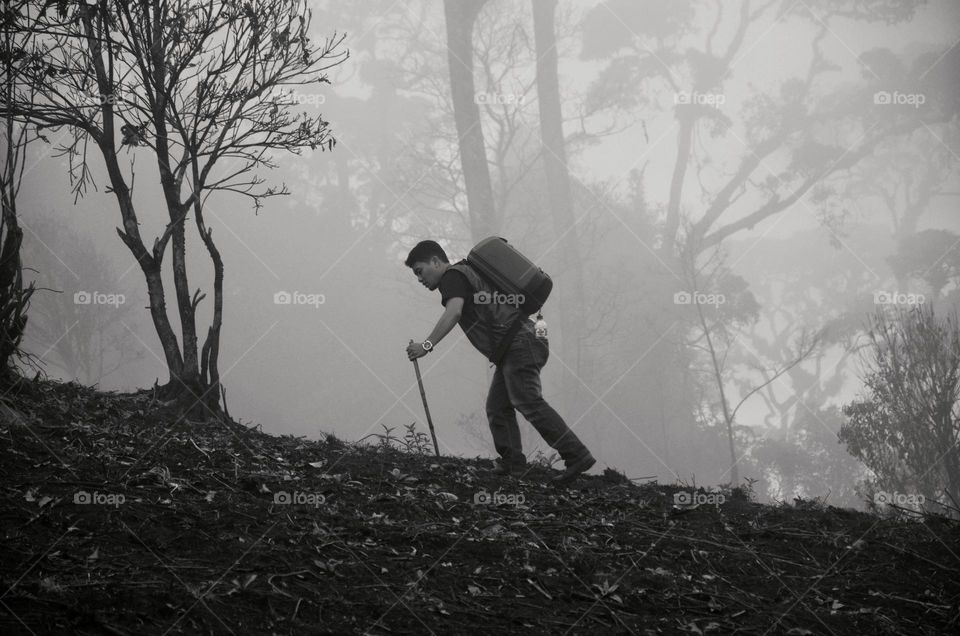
[(799, 141), (804, 283), (932, 257), (559, 196), (714, 323), (460, 16), (84, 342), (809, 137), (200, 84), (900, 182)]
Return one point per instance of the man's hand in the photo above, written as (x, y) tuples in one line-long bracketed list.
[(451, 314), (415, 350)]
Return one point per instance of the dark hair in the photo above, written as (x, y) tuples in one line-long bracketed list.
[(424, 251)]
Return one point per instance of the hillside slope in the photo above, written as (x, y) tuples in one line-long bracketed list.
[(119, 518)]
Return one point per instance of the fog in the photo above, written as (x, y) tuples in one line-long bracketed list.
[(842, 114)]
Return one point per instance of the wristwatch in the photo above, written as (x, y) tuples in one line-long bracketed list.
[(427, 345)]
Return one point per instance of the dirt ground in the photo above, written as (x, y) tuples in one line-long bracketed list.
[(119, 517)]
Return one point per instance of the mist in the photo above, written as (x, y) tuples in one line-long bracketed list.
[(744, 185)]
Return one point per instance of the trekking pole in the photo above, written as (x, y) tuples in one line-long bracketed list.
[(426, 409)]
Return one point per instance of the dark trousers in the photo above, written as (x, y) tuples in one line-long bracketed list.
[(516, 387)]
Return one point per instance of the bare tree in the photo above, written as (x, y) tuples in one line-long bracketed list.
[(202, 86)]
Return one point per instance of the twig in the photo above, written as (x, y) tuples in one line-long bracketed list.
[(199, 449)]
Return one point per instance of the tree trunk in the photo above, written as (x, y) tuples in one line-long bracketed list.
[(189, 373), (460, 17), (210, 355), (130, 234), (558, 189), (684, 143), (727, 416), (13, 298), (149, 264)]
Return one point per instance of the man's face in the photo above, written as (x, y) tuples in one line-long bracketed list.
[(428, 272)]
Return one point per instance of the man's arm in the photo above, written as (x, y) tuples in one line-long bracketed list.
[(450, 317), (451, 314)]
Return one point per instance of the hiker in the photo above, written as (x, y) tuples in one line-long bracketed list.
[(516, 381)]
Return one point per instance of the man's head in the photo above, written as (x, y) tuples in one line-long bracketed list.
[(428, 262)]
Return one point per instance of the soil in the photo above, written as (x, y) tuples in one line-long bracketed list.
[(119, 517)]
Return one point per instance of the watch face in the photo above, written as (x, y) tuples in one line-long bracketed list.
[(427, 345)]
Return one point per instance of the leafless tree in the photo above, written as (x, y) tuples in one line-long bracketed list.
[(200, 86)]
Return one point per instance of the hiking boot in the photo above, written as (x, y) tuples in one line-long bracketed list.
[(503, 469), (573, 470)]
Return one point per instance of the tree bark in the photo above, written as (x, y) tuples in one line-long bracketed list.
[(130, 234), (684, 143), (210, 355), (149, 264), (727, 415), (460, 17), (558, 187), (189, 373)]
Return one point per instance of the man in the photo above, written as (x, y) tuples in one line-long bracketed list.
[(516, 381)]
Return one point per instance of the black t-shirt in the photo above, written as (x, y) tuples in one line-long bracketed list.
[(454, 284)]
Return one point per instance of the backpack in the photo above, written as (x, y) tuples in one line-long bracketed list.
[(511, 272), (509, 287)]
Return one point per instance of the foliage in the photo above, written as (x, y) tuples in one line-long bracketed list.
[(906, 429), (933, 256), (413, 441), (805, 458)]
